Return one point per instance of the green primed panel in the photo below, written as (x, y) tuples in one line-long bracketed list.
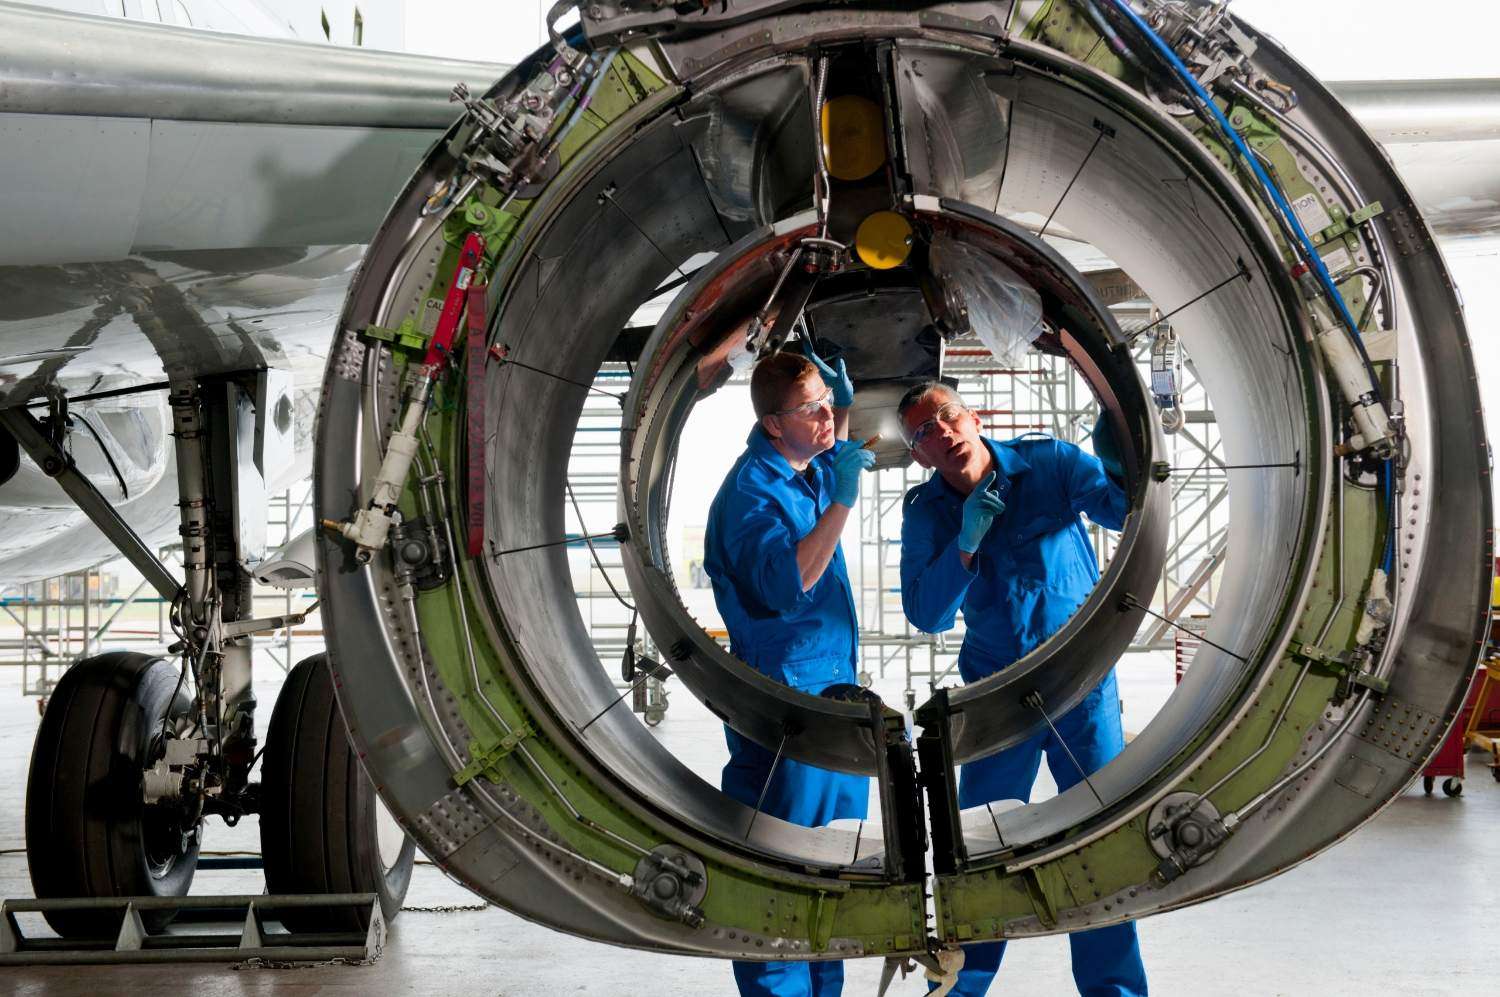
[(1066, 28)]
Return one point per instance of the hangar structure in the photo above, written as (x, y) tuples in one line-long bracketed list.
[(1193, 152), (878, 179)]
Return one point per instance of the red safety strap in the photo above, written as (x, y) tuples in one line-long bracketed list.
[(478, 314), (440, 346)]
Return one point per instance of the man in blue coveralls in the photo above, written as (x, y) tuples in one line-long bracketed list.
[(996, 532), (772, 552)]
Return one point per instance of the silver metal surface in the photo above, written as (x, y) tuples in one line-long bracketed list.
[(58, 62), (1411, 111)]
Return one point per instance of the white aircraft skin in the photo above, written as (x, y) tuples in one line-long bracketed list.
[(180, 201), (203, 218)]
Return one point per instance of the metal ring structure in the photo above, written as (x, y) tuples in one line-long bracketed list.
[(1326, 680)]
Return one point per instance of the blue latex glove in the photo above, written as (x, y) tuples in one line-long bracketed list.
[(847, 465), (835, 377), (980, 510), (1106, 449)]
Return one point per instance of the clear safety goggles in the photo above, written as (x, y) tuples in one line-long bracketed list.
[(946, 415), (808, 410)]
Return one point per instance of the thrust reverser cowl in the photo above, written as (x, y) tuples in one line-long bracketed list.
[(592, 171)]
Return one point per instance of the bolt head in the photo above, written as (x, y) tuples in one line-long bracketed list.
[(665, 887)]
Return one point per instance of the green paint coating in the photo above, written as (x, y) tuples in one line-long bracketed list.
[(405, 336)]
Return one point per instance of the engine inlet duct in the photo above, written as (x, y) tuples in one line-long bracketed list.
[(890, 177)]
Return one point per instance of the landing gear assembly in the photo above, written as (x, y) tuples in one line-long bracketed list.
[(135, 753)]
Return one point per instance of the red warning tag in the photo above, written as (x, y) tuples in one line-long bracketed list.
[(478, 314)]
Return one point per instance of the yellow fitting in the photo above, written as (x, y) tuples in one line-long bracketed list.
[(853, 137), (883, 240)]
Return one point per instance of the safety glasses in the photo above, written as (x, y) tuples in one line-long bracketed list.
[(945, 415), (808, 410)]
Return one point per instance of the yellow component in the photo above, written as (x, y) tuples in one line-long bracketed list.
[(1495, 593), (883, 240), (853, 137)]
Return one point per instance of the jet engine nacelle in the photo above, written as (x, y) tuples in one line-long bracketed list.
[(1304, 284)]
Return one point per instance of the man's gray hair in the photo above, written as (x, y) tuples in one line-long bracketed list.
[(917, 392)]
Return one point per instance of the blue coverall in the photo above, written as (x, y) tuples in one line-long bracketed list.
[(1033, 568), (804, 639)]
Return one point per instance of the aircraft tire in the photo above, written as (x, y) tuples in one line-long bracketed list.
[(319, 810), (88, 831)]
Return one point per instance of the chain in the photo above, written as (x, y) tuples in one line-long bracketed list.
[(446, 909)]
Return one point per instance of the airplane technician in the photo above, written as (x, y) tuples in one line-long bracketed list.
[(997, 532), (772, 551)]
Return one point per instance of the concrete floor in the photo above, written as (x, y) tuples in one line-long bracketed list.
[(1399, 908)]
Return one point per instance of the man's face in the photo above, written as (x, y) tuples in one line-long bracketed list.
[(944, 434), (805, 424)]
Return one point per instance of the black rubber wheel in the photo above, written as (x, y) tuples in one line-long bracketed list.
[(319, 812), (1452, 787), (1495, 771), (1427, 783), (88, 831)]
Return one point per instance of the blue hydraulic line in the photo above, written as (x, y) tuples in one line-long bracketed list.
[(1314, 259)]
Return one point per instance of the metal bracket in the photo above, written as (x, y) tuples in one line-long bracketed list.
[(672, 883), (267, 624), (1185, 831), (481, 761), (1348, 665), (56, 463)]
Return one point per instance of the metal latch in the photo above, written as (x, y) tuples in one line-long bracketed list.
[(485, 758)]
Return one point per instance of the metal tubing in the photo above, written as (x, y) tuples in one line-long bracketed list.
[(187, 433)]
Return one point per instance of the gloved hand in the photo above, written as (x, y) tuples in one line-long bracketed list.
[(980, 510), (1106, 449), (835, 377), (847, 464)]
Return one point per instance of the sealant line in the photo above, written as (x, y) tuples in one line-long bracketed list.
[(1034, 700), (1135, 603), (1069, 188), (506, 359), (617, 701), (609, 195), (1234, 467), (786, 732), (1241, 273), (553, 543)]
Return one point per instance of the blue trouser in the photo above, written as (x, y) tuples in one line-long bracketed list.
[(789, 979), (1106, 961), (802, 794)]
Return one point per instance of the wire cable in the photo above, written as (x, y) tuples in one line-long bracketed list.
[(124, 491), (1212, 113)]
